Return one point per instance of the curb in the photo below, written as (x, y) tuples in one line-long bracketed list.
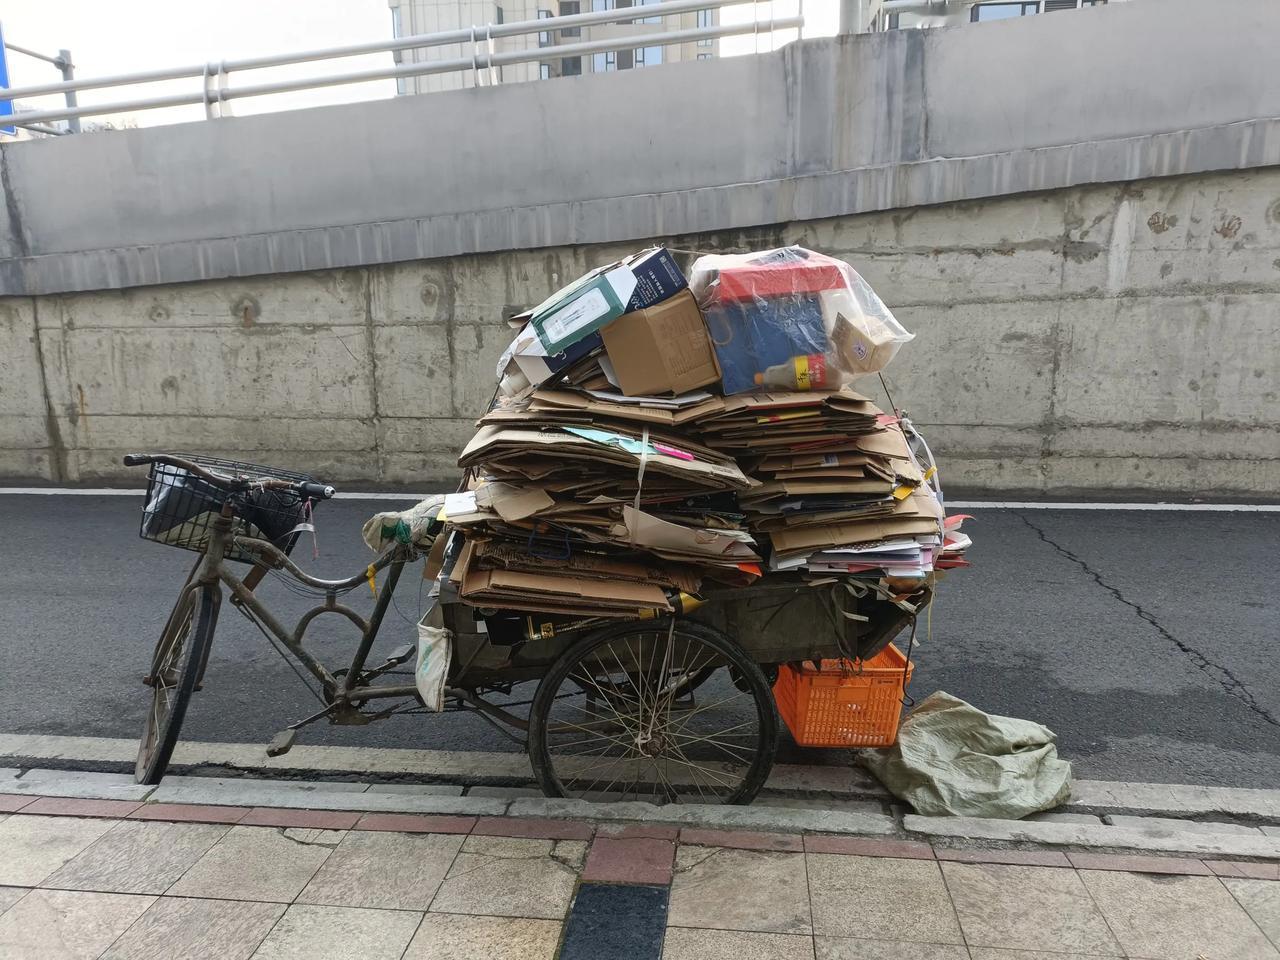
[(226, 800), (627, 853)]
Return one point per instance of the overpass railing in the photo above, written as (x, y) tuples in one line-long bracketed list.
[(216, 90)]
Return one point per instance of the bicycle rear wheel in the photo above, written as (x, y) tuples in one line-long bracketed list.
[(615, 718), (175, 668)]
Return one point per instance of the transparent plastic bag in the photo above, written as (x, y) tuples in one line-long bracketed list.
[(792, 319)]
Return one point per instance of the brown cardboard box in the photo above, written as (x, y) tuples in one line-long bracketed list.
[(661, 349)]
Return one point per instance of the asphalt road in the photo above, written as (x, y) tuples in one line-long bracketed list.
[(1148, 641)]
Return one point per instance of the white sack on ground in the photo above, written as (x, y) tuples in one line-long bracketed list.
[(952, 759)]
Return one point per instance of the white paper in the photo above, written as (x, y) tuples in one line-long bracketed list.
[(606, 367), (459, 504)]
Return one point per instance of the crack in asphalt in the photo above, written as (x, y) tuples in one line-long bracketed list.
[(1220, 674)]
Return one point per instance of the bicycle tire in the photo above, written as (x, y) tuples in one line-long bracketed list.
[(547, 696), (190, 625)]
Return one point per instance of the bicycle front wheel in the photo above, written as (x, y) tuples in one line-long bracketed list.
[(175, 668)]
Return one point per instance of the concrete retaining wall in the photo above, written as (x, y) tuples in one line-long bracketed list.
[(1097, 339)]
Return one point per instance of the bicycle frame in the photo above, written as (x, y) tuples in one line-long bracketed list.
[(340, 692)]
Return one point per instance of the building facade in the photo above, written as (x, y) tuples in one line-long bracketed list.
[(412, 17), (877, 15)]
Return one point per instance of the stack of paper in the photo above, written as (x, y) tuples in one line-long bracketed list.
[(583, 500)]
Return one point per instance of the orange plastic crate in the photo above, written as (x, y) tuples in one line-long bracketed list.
[(846, 703)]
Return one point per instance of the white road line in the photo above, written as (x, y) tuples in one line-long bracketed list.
[(952, 504), (1173, 507), (137, 492)]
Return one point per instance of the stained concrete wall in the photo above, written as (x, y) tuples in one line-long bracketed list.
[(1078, 215), (823, 128), (1098, 339)]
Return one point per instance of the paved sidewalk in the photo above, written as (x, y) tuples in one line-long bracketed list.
[(119, 880)]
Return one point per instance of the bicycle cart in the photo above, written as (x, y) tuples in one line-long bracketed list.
[(676, 708)]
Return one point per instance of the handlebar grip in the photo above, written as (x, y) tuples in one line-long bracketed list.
[(316, 491), (135, 459)]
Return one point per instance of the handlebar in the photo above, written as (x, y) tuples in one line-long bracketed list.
[(303, 488)]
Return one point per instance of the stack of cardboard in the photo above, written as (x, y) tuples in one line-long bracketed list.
[(614, 472)]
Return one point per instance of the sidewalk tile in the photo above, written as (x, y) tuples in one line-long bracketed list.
[(258, 863), (758, 890), (307, 932), (542, 829), (1240, 868), (1137, 864), (1027, 908), (612, 921), (394, 871), (507, 877), (175, 927), (742, 840), (1176, 918), (1261, 900), (451, 936), (686, 943), (880, 898), (614, 860), (188, 813), (1023, 858), (637, 831), (415, 823), (312, 819), (848, 948), (12, 802), (76, 807), (864, 847), (66, 924), (34, 847), (995, 953), (11, 895), (137, 857)]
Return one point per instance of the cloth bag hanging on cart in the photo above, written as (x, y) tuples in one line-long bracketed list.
[(952, 759)]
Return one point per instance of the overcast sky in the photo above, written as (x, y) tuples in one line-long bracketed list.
[(107, 38)]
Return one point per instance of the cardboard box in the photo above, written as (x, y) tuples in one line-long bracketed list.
[(564, 328), (661, 349), (658, 277), (584, 306)]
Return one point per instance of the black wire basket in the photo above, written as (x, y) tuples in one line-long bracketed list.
[(180, 508)]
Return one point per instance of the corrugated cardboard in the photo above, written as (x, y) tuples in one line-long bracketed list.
[(661, 349), (560, 593)]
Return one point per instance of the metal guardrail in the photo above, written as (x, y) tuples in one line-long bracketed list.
[(215, 89)]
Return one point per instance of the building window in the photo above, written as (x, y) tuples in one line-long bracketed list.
[(647, 56), (497, 15), (892, 24), (705, 21), (656, 18), (625, 60), (544, 36), (569, 8), (401, 89), (705, 56), (599, 5), (570, 66), (544, 71), (1051, 5), (604, 62), (982, 12), (395, 22)]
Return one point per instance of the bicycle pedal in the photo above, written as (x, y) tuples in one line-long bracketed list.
[(282, 743), (400, 654)]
